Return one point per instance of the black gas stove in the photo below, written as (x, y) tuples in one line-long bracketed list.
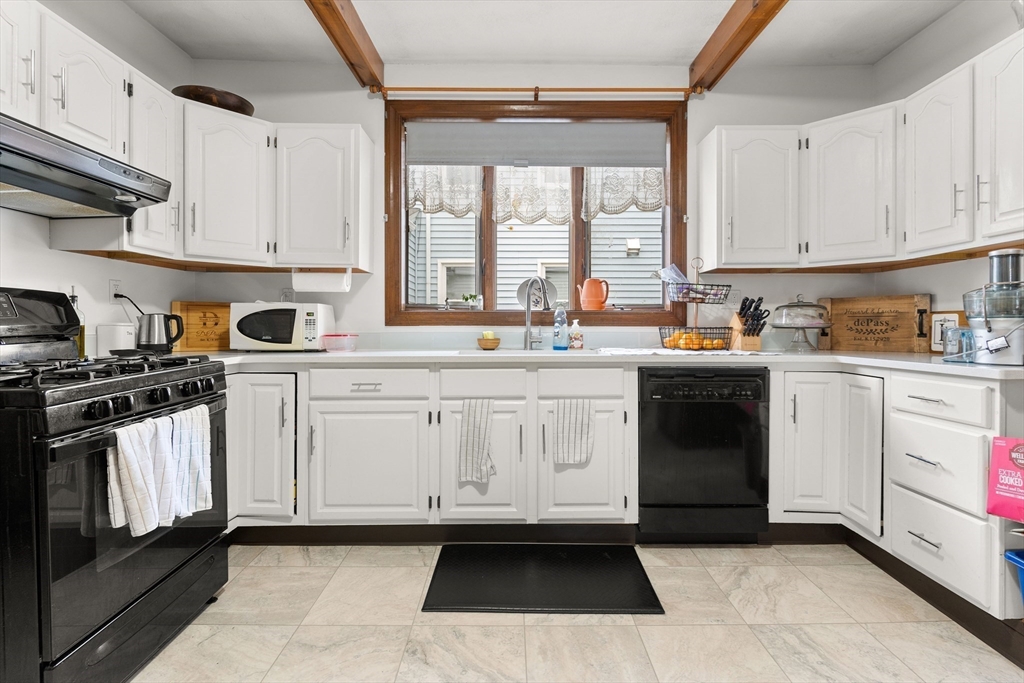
[(81, 600), (84, 393)]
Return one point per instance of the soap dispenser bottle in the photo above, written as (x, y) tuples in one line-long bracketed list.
[(575, 336), (560, 340)]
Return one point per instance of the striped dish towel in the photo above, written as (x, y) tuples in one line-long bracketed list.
[(574, 431), (191, 442), (475, 462), (131, 489)]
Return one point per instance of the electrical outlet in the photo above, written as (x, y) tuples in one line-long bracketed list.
[(939, 321), (735, 296), (288, 295), (115, 288)]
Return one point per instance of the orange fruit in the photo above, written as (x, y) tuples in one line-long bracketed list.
[(708, 344), (694, 344), (719, 344)]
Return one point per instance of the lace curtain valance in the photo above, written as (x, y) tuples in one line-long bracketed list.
[(457, 190), (529, 195)]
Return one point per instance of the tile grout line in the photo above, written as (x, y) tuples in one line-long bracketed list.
[(886, 648), (646, 651)]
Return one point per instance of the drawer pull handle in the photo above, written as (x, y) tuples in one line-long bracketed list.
[(361, 386), (543, 441), (1017, 532), (925, 399), (924, 460), (920, 537)]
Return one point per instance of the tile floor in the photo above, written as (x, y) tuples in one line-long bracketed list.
[(783, 613)]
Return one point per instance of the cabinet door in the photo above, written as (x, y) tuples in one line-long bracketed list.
[(315, 175), (153, 134), (999, 139), (370, 461), (812, 447), (85, 96), (20, 60), (261, 417), (938, 166), (860, 451), (851, 201), (227, 185), (760, 193), (503, 497), (595, 490)]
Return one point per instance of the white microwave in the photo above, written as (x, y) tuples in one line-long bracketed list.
[(279, 326)]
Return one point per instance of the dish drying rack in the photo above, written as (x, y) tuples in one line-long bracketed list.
[(695, 337)]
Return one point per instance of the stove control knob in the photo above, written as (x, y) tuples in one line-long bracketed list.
[(191, 388), (160, 395), (99, 410), (209, 384), (124, 404)]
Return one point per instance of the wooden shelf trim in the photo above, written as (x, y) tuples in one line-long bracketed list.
[(739, 27), (202, 266)]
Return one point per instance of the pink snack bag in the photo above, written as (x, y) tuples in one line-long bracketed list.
[(1006, 479)]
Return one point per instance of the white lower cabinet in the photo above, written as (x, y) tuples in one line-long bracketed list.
[(595, 490), (860, 451), (812, 449), (503, 496), (261, 444), (369, 461)]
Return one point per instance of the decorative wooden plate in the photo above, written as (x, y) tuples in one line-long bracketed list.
[(216, 98)]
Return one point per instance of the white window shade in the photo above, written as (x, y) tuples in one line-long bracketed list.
[(534, 143)]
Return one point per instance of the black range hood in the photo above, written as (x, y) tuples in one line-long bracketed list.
[(49, 176)]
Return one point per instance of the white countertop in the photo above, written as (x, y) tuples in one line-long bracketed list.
[(820, 360)]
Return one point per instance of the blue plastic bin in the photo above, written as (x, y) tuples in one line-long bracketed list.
[(1016, 557)]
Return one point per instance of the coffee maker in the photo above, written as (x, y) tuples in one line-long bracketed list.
[(995, 312)]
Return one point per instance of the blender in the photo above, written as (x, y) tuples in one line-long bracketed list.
[(995, 312)]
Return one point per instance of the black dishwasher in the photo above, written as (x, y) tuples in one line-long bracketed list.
[(703, 454)]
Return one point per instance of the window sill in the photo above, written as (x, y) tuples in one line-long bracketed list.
[(610, 318)]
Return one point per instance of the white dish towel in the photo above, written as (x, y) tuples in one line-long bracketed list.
[(165, 470), (131, 489), (574, 431), (190, 440), (475, 462)]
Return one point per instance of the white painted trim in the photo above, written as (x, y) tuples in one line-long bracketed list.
[(442, 282)]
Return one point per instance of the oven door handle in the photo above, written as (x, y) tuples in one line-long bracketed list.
[(57, 453)]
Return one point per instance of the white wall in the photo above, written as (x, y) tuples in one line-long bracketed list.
[(114, 25), (26, 260)]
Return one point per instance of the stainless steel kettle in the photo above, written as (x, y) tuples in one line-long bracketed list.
[(155, 332)]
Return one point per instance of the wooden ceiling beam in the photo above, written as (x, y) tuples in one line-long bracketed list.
[(343, 26), (741, 25)]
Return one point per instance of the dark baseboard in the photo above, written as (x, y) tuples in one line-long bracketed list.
[(435, 533), (802, 534), (1005, 637)]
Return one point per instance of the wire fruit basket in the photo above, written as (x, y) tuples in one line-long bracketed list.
[(693, 293), (696, 338)]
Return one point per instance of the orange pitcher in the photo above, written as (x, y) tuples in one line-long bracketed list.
[(593, 294)]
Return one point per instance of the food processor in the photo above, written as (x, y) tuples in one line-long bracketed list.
[(995, 312)]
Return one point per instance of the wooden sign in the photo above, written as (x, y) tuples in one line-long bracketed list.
[(207, 326), (898, 324)]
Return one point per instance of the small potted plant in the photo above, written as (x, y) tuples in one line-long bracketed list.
[(472, 300)]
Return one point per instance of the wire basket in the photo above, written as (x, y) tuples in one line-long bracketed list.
[(696, 338), (692, 293)]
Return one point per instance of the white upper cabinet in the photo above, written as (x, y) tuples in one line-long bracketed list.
[(811, 445), (851, 177), (152, 142), (938, 164), (228, 185), (20, 60), (860, 451), (323, 196), (749, 192), (999, 139), (85, 97)]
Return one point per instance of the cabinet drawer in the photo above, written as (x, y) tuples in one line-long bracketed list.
[(958, 401), (369, 383), (944, 543), (587, 383), (945, 462), (509, 383)]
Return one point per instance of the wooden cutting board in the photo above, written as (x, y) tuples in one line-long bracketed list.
[(207, 326), (898, 324)]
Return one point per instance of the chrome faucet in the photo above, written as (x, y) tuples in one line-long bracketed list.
[(530, 338)]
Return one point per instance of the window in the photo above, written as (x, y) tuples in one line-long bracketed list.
[(480, 206)]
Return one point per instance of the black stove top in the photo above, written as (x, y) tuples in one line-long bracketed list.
[(48, 374)]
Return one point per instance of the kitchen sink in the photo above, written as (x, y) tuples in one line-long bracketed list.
[(523, 352)]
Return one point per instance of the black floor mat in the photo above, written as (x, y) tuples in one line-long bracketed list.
[(573, 579)]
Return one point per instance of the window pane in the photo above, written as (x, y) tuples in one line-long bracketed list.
[(615, 256), (527, 250), (441, 258)]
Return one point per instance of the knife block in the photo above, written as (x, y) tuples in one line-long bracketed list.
[(738, 341)]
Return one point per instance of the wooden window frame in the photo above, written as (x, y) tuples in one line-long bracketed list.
[(398, 112)]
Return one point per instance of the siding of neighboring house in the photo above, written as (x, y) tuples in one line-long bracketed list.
[(522, 248)]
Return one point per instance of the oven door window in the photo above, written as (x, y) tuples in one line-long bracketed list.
[(91, 571), (275, 326)]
